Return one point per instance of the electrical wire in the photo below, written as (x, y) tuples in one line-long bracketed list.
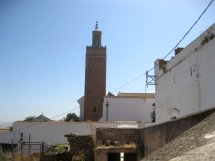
[(184, 34), (36, 123), (141, 75), (129, 82)]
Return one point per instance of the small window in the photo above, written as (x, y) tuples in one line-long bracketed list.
[(191, 71), (94, 109)]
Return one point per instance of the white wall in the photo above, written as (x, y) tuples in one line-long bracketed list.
[(127, 109), (6, 137), (52, 133), (206, 63), (188, 84), (81, 105)]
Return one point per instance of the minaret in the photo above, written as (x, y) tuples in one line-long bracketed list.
[(95, 78)]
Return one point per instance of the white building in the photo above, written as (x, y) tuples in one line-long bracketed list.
[(125, 107), (128, 107), (186, 83), (6, 137)]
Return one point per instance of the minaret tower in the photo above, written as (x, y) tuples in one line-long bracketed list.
[(95, 78)]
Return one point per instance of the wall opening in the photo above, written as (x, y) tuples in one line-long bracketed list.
[(114, 157), (130, 157), (94, 109), (191, 71)]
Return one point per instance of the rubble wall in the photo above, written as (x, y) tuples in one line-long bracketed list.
[(154, 137)]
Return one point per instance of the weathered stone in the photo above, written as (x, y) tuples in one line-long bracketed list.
[(196, 144), (81, 147)]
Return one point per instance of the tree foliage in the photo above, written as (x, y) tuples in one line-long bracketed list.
[(56, 149), (153, 115), (29, 118), (71, 117), (2, 155)]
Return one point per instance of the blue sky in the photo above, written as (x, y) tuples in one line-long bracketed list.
[(43, 45)]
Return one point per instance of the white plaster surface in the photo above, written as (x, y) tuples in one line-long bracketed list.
[(188, 84), (128, 109)]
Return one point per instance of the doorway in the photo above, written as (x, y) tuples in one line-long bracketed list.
[(130, 157), (113, 156)]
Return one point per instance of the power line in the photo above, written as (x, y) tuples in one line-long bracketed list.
[(185, 34), (36, 123), (141, 75), (65, 112), (128, 82)]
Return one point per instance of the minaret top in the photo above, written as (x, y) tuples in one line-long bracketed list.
[(97, 26), (96, 41)]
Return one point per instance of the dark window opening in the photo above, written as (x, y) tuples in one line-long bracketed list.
[(130, 156), (113, 156), (94, 109)]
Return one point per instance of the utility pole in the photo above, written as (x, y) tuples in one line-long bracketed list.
[(21, 140), (12, 151), (107, 104), (29, 146), (43, 149)]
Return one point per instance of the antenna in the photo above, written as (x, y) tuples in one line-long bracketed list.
[(150, 79)]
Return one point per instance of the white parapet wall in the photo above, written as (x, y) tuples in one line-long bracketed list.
[(128, 107)]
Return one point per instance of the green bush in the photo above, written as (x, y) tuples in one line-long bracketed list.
[(56, 149), (2, 155), (153, 115)]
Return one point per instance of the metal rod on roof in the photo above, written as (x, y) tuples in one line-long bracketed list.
[(107, 104)]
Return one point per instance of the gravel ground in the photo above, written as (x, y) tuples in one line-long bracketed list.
[(196, 144)]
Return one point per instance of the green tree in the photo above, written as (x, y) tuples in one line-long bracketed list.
[(2, 155), (71, 117), (55, 149), (153, 115), (29, 118)]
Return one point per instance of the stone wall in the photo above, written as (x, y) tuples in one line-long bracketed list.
[(58, 157), (140, 141), (81, 147), (154, 137), (147, 139), (115, 135)]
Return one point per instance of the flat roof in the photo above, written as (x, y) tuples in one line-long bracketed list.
[(132, 95)]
